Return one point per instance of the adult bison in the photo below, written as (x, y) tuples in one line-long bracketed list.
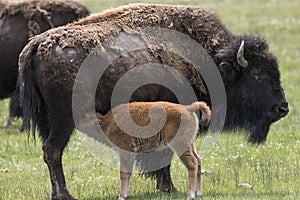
[(50, 62), (20, 20)]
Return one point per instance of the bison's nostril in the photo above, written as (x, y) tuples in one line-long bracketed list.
[(282, 109)]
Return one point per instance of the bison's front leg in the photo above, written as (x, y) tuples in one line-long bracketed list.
[(149, 162), (164, 180), (163, 177)]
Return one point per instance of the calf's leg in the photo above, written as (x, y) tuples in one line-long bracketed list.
[(191, 163), (198, 183), (126, 164)]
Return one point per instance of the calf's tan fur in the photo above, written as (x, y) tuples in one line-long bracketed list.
[(178, 132)]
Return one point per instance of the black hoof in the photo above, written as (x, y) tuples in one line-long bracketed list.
[(63, 196)]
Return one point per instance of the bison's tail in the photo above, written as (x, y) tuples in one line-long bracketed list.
[(28, 96), (206, 113)]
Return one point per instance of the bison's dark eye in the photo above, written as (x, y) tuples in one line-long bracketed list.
[(256, 77)]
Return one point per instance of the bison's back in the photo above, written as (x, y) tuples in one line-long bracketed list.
[(53, 58)]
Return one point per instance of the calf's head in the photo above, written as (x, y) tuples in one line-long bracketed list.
[(255, 97)]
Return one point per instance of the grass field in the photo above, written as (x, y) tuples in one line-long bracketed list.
[(273, 169)]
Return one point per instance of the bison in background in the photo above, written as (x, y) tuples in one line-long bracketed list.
[(20, 20), (50, 62)]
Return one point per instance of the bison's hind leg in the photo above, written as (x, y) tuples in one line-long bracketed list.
[(55, 138)]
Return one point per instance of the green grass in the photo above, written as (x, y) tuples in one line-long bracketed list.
[(273, 168)]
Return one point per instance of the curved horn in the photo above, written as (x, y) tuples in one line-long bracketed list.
[(240, 56)]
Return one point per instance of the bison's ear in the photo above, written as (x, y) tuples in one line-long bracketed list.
[(225, 67), (229, 71)]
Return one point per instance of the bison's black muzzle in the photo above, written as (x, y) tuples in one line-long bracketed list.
[(280, 110)]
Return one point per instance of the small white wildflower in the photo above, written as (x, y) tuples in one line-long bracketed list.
[(246, 185)]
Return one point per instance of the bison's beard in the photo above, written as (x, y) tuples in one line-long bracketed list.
[(258, 132), (256, 125), (258, 128)]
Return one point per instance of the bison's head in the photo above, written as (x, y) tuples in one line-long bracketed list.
[(252, 81)]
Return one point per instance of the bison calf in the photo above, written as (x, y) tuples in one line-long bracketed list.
[(178, 132)]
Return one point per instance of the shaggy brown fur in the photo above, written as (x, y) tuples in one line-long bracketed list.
[(198, 23), (144, 113)]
